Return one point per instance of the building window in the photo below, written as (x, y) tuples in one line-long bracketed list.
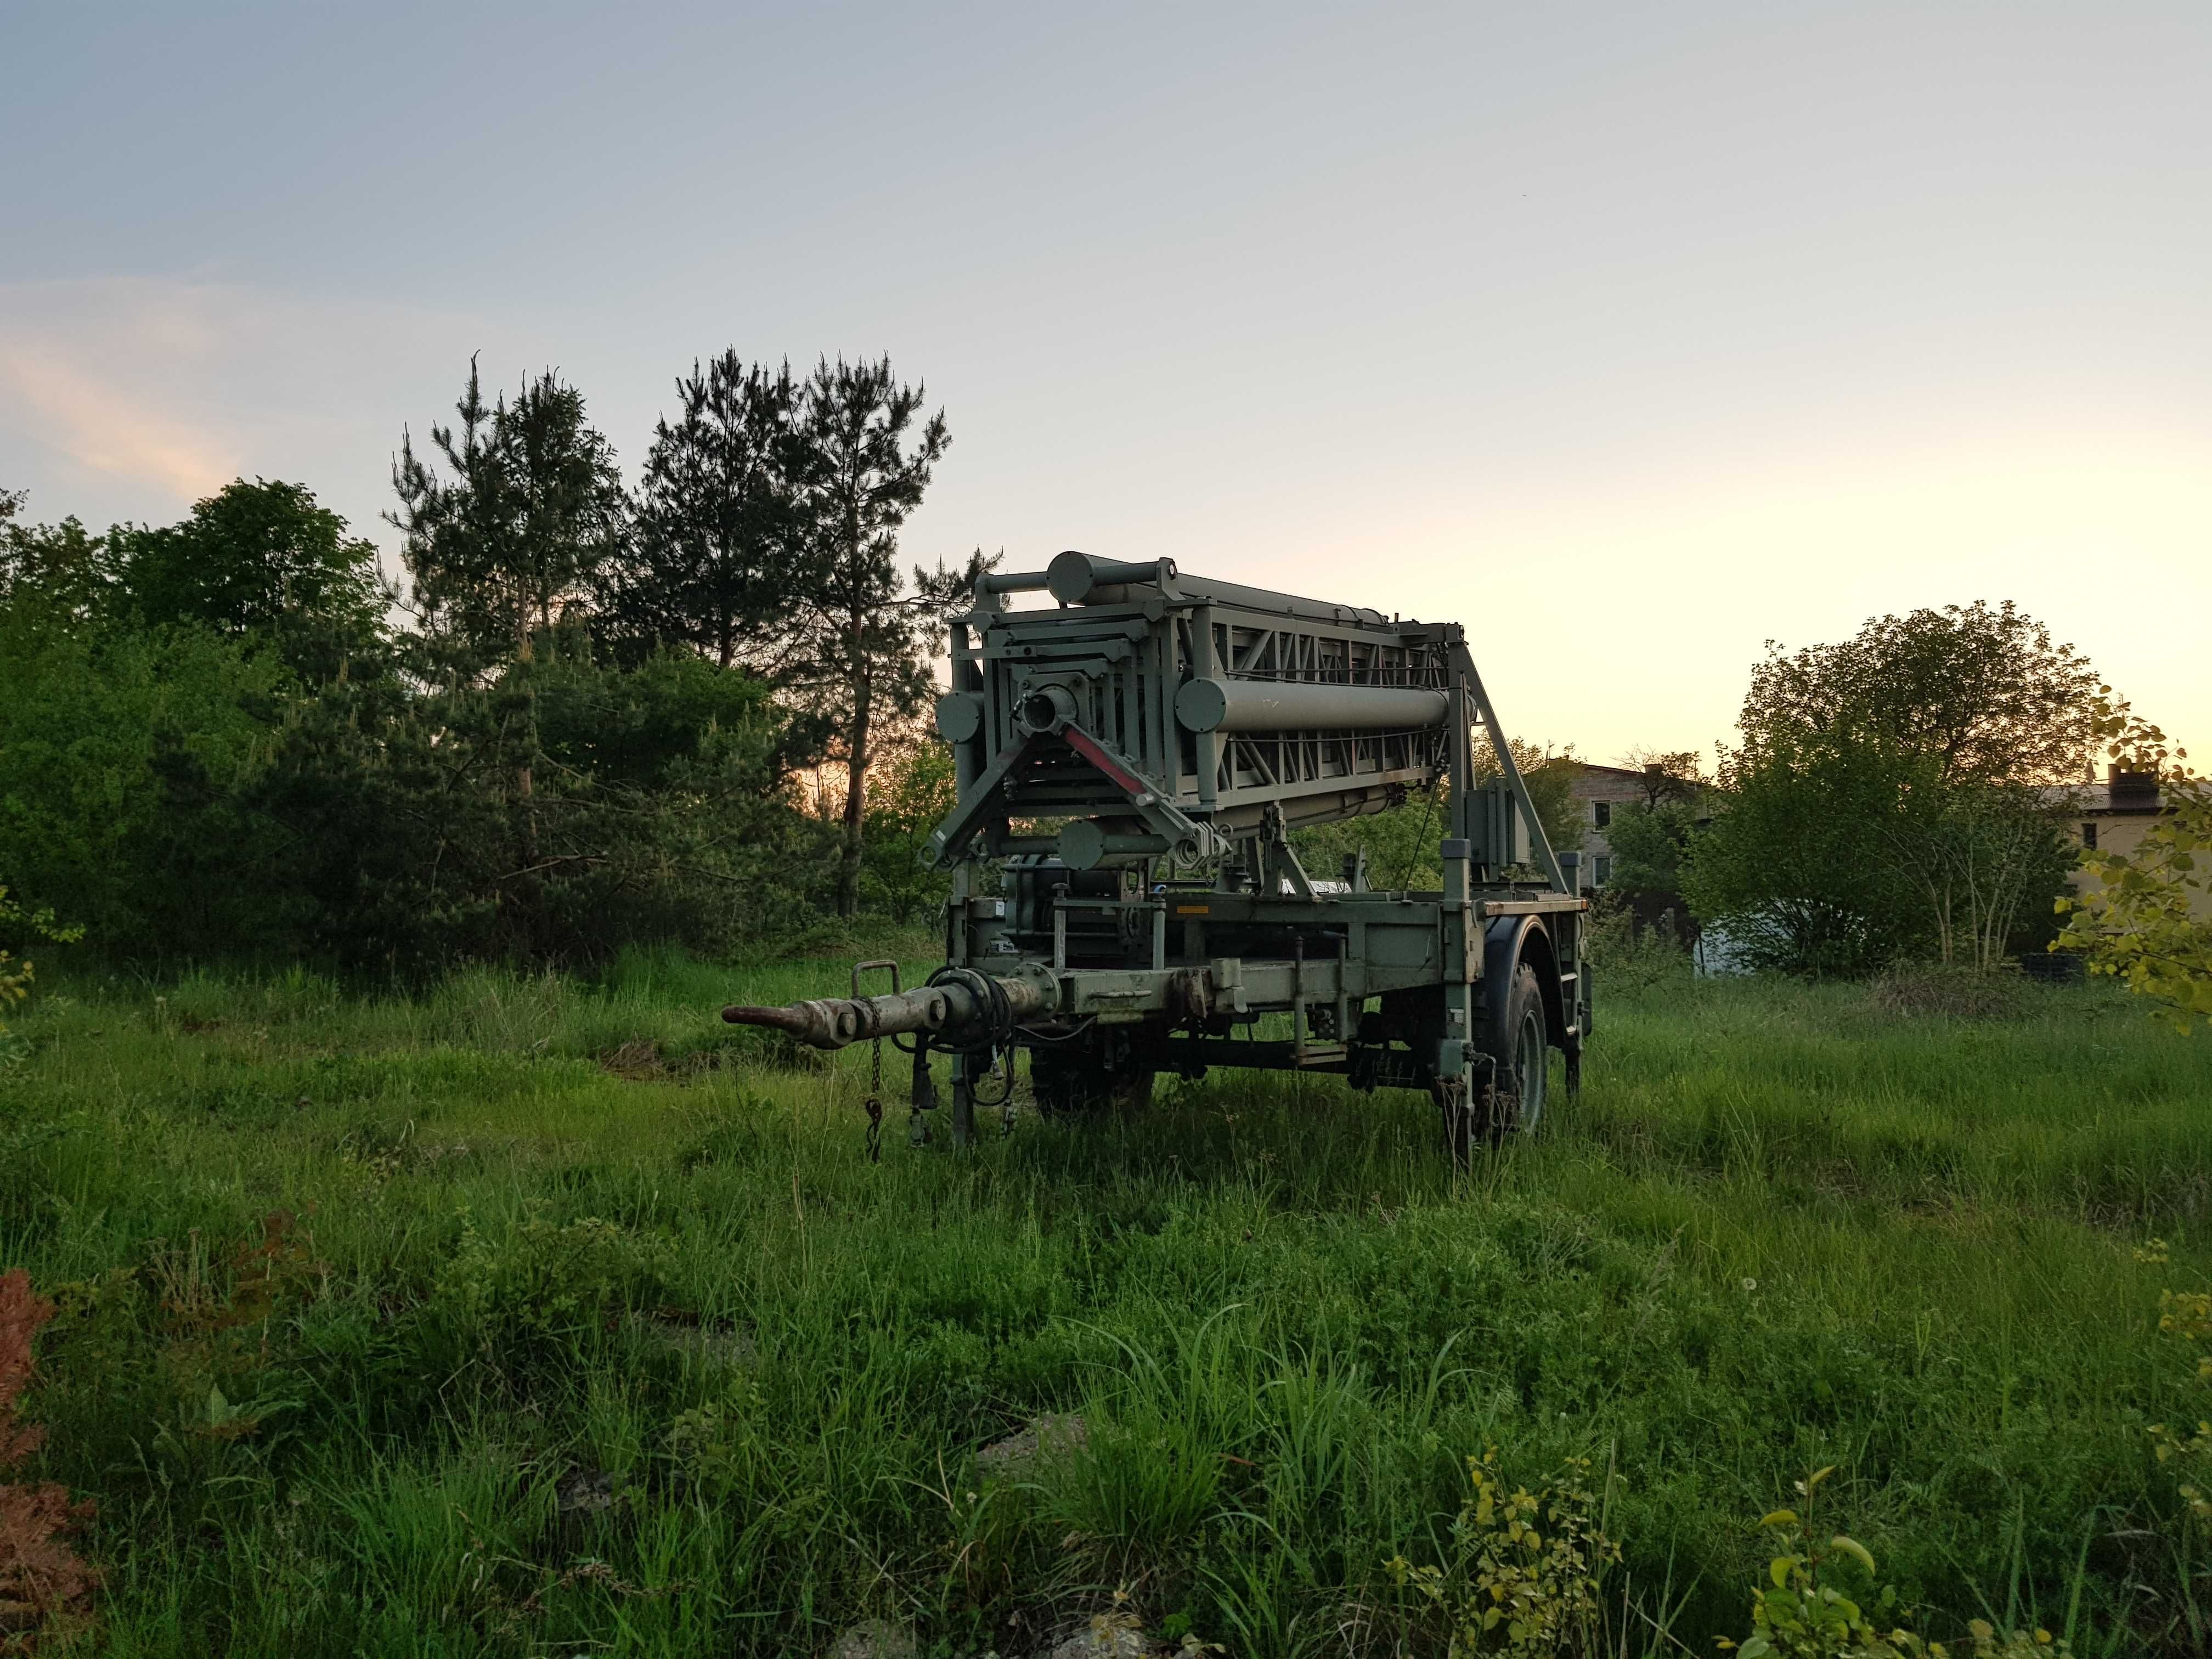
[(1601, 815), (1603, 870), (2089, 836)]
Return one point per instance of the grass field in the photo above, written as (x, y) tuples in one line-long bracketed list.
[(591, 1335)]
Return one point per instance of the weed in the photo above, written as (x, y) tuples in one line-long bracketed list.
[(2187, 1315), (546, 1285), (1524, 1574), (1805, 1612), (715, 1445), (1628, 955), (45, 1587)]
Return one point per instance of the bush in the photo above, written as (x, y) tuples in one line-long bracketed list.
[(128, 763), (1794, 870), (1526, 1569), (1626, 955), (43, 1582)]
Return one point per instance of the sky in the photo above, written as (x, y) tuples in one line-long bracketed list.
[(1632, 336)]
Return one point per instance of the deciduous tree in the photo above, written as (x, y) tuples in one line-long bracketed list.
[(1403, 844), (63, 572), (259, 561), (913, 790), (1981, 857), (1666, 774), (1885, 801), (1652, 845), (1982, 690)]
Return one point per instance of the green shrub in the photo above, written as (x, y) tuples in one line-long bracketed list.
[(546, 1288), (1625, 956), (1806, 1611), (1525, 1575)]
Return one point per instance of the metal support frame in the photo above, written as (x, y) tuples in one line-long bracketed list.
[(1463, 671), (1076, 717)]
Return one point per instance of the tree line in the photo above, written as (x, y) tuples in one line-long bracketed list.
[(574, 726), (1903, 795), (578, 723)]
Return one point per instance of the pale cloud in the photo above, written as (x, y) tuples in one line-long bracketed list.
[(110, 378), (105, 428), (135, 397)]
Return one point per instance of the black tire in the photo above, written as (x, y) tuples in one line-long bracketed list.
[(1132, 1092), (1071, 1086), (1062, 1090), (1520, 1053)]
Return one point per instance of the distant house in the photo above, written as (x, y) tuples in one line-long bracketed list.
[(2111, 817), (1602, 791)]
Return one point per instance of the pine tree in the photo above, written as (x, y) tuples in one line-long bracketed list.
[(713, 563), (859, 633), (524, 529)]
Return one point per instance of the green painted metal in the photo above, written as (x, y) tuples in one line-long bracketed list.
[(1132, 747)]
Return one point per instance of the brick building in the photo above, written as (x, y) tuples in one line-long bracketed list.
[(2113, 816), (1601, 791)]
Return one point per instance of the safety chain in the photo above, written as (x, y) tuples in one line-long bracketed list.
[(873, 1105)]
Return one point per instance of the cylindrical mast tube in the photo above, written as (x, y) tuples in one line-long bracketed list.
[(1083, 579), (1078, 578), (1216, 705)]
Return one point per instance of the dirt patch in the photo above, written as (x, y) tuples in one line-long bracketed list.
[(1102, 1639), (687, 1335), (1953, 994), (587, 1491), (639, 1060), (876, 1638), (1017, 1452)]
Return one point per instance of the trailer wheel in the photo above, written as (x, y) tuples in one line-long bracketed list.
[(1520, 1053), (1070, 1086)]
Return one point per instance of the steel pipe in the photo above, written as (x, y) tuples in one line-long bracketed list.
[(1215, 705), (1046, 709), (952, 1009), (1076, 577)]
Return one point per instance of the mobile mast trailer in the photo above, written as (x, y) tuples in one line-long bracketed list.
[(1125, 899)]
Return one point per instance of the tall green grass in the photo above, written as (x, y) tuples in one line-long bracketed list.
[(608, 1338)]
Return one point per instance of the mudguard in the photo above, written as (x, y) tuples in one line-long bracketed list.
[(1506, 942)]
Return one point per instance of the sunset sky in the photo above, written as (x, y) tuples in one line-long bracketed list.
[(1631, 335)]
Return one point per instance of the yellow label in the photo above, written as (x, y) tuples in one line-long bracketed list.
[(1194, 910)]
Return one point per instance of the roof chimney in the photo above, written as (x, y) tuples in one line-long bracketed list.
[(2136, 790)]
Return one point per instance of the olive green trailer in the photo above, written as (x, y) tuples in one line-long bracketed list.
[(1130, 752)]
